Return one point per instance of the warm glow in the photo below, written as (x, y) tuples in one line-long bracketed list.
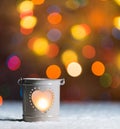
[(79, 32), (31, 43), (13, 62), (28, 22), (74, 69), (118, 61), (53, 50), (117, 1), (117, 22), (26, 31), (42, 100), (53, 71), (40, 46), (69, 56), (25, 6), (1, 100), (98, 68), (54, 18), (88, 51), (38, 2), (24, 14)]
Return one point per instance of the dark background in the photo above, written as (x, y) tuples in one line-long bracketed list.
[(98, 14)]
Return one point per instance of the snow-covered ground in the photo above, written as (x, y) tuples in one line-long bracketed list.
[(103, 115)]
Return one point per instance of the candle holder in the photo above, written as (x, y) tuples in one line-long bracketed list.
[(41, 98)]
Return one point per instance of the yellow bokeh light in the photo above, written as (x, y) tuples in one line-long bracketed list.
[(79, 32), (98, 68), (116, 22), (40, 46), (74, 69), (118, 61), (38, 2), (25, 6), (69, 56), (28, 22), (117, 1)]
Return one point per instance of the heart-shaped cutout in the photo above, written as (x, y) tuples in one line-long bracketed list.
[(42, 100)]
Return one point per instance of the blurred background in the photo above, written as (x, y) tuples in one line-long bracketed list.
[(78, 40)]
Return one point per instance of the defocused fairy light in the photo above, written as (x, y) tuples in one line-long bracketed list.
[(53, 8), (31, 42), (25, 6), (54, 35), (13, 62), (54, 18), (40, 46), (53, 71), (88, 51), (117, 1), (26, 31), (24, 14), (69, 56), (80, 32), (74, 69), (38, 2), (53, 50), (98, 68), (118, 61), (106, 80), (116, 22), (28, 22), (1, 100), (72, 4)]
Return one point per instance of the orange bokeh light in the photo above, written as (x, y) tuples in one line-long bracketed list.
[(53, 71), (1, 100), (31, 43), (54, 18), (26, 31), (98, 68), (38, 2), (88, 51)]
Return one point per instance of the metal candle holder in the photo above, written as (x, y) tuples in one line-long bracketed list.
[(41, 98)]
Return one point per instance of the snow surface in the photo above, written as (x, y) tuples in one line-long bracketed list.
[(102, 115)]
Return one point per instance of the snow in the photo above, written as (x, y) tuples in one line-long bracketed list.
[(100, 115)]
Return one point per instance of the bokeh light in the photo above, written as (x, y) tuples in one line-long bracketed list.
[(53, 8), (117, 61), (98, 68), (53, 71), (31, 42), (106, 80), (54, 35), (88, 51), (28, 22), (13, 62), (38, 2), (1, 100), (117, 1), (74, 69), (116, 22), (53, 50), (26, 31), (24, 14), (80, 31), (116, 33), (69, 56), (40, 46), (54, 18), (72, 4), (25, 6)]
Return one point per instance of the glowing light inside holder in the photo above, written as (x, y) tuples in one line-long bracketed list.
[(98, 68), (116, 22), (69, 56), (38, 2), (1, 100), (28, 22), (53, 71), (42, 100), (25, 6), (80, 32), (54, 18), (13, 62), (88, 51), (40, 46), (74, 69)]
